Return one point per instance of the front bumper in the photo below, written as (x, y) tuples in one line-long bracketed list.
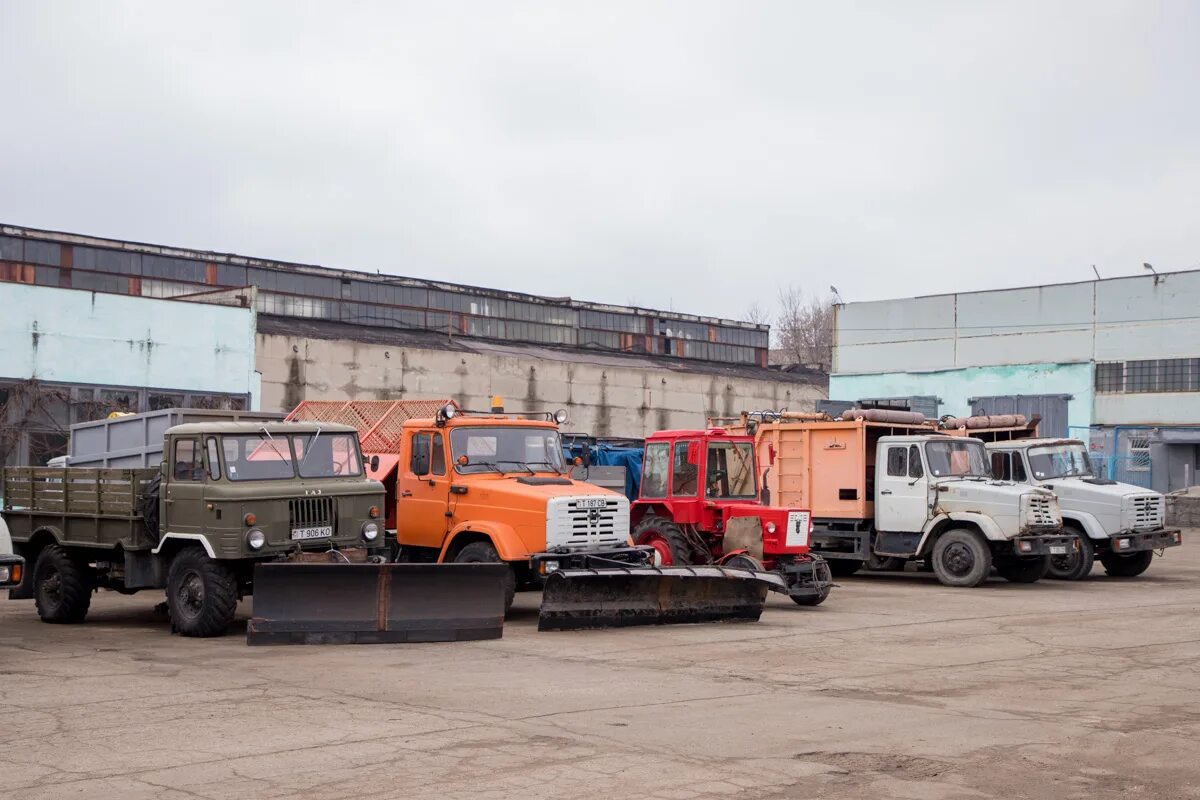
[(806, 576), (12, 569), (599, 558), (1133, 541), (1045, 544)]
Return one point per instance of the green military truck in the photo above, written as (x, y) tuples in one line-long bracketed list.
[(227, 496)]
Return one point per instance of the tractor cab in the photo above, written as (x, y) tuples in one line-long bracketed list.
[(699, 504)]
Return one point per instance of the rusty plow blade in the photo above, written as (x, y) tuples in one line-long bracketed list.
[(574, 599), (297, 603)]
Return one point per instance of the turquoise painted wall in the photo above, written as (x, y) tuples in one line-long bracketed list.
[(956, 386)]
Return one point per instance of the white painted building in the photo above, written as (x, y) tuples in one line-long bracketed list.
[(72, 355), (1116, 361)]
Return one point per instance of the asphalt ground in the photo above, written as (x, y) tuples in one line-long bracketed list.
[(897, 687)]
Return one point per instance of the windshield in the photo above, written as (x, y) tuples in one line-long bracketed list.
[(957, 459), (497, 449), (257, 457), (730, 470), (326, 455), (1060, 461)]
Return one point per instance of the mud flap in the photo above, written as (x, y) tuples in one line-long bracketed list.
[(575, 599), (297, 603)]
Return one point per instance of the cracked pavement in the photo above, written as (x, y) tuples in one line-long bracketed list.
[(896, 688)]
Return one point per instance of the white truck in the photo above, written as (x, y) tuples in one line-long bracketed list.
[(12, 566), (1118, 523), (886, 487)]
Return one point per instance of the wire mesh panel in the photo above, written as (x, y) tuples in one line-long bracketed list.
[(378, 421)]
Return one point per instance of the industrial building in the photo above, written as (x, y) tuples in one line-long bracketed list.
[(1115, 362), (315, 333)]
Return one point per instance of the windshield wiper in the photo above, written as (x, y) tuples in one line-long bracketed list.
[(271, 439), (309, 448), (491, 464), (518, 463), (547, 463)]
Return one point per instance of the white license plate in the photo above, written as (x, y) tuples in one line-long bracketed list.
[(322, 532), (797, 529), (591, 502), (1058, 550)]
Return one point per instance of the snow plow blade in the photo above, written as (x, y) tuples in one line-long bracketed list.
[(298, 603), (575, 599)]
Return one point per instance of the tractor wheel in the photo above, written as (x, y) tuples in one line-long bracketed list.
[(201, 594), (485, 553), (665, 537), (961, 557), (1023, 570), (62, 587), (841, 567), (1130, 566), (1074, 566)]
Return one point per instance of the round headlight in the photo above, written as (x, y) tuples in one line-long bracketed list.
[(369, 531), (770, 527), (560, 416), (255, 538), (449, 411)]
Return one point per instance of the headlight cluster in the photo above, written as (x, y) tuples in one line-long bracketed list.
[(255, 538), (370, 531)]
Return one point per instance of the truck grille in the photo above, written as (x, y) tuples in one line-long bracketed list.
[(312, 512), (1043, 512), (1147, 512), (568, 524)]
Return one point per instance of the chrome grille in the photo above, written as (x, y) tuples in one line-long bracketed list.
[(1147, 512), (312, 512), (575, 527)]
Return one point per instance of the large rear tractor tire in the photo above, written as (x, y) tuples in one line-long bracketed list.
[(1076, 565), (485, 553), (201, 594), (1023, 570), (669, 543), (961, 557), (62, 587), (1127, 566), (842, 567)]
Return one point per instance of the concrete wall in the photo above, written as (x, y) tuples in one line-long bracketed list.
[(956, 386), (605, 395), (78, 336)]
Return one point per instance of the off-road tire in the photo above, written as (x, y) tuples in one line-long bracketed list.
[(1130, 566), (62, 587), (201, 594), (819, 565), (485, 553), (843, 567), (667, 531), (1077, 565), (961, 557), (148, 506), (1023, 570)]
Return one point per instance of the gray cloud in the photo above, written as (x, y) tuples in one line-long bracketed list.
[(691, 155)]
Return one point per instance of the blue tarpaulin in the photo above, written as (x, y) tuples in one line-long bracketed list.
[(603, 455)]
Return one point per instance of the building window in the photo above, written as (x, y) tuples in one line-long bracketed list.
[(1139, 454), (1150, 375)]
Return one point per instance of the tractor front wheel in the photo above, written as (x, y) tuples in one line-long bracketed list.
[(668, 541)]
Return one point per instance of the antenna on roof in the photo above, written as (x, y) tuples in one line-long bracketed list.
[(1097, 272)]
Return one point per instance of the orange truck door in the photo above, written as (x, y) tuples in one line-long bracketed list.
[(424, 491)]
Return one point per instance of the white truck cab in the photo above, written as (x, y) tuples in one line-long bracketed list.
[(11, 565), (1118, 523), (935, 497)]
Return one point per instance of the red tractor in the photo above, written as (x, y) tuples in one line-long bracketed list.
[(699, 504)]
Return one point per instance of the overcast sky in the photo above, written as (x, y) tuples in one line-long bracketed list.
[(683, 155)]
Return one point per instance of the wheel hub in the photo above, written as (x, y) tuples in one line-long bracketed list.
[(190, 595), (958, 559), (662, 547)]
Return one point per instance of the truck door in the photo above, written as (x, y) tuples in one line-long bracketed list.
[(901, 488), (424, 489), (183, 487)]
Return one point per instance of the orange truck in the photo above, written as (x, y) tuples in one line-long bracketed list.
[(494, 487), (885, 487)]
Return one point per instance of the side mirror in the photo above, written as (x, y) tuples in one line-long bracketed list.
[(693, 453), (374, 463)]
